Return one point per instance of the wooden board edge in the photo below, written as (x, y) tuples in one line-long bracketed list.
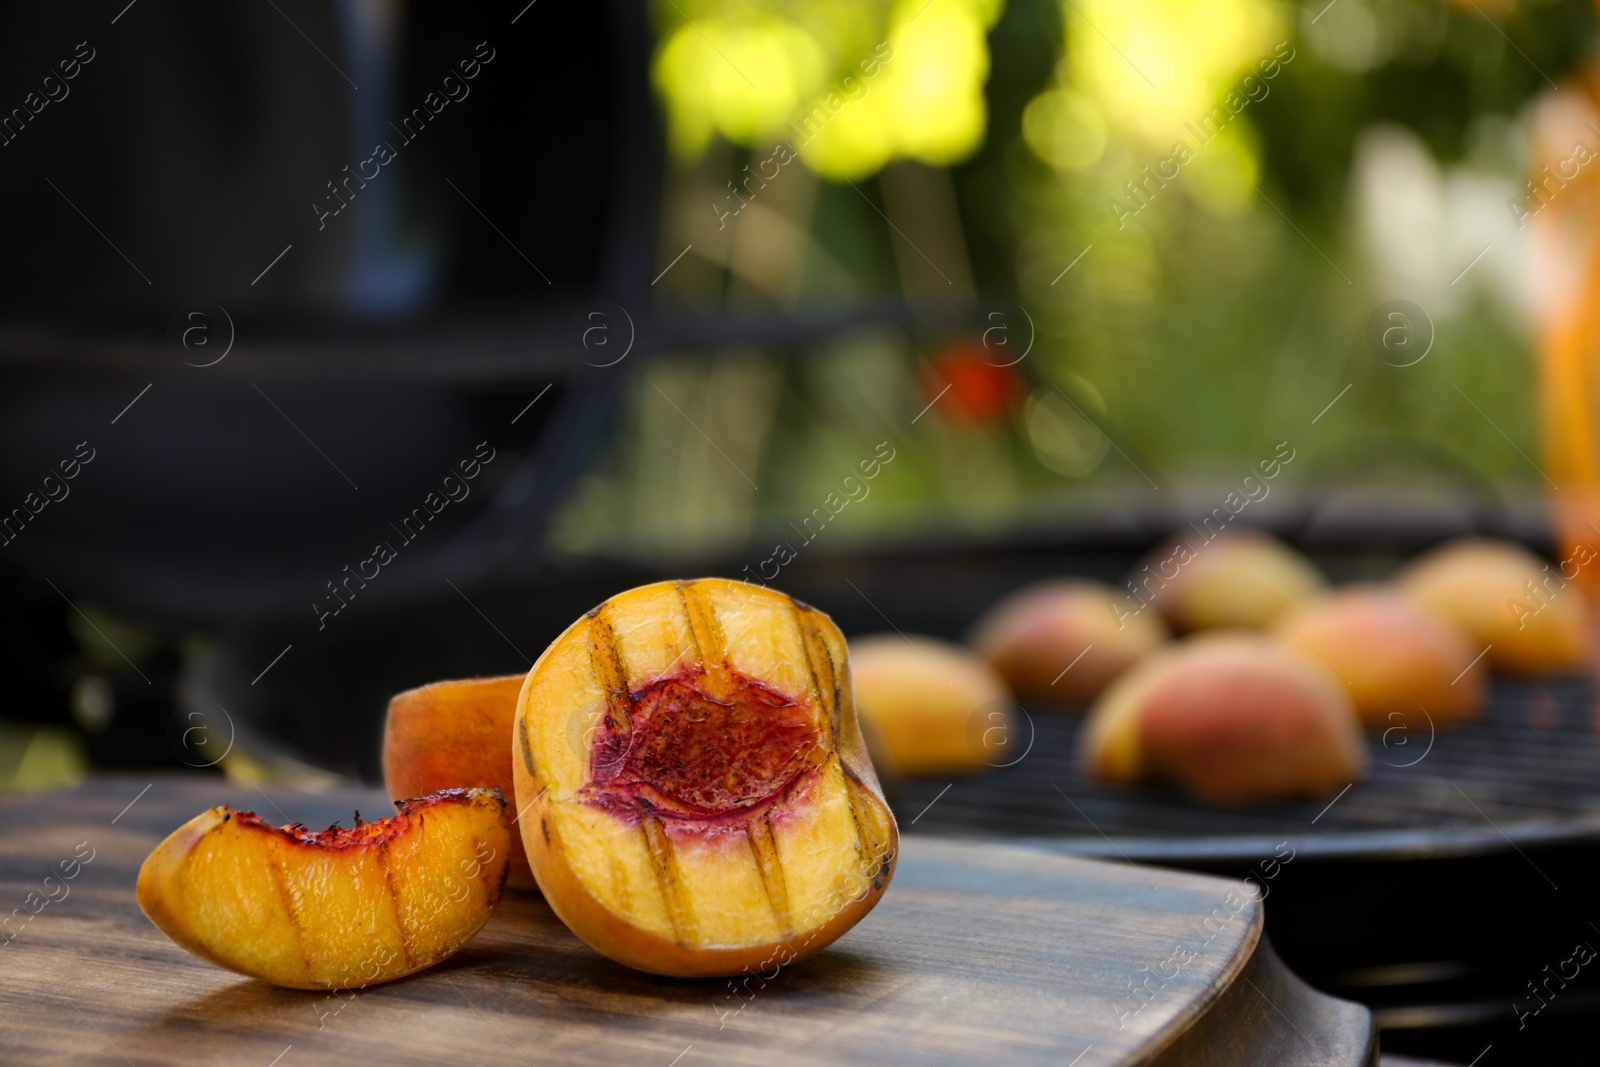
[(1269, 1017)]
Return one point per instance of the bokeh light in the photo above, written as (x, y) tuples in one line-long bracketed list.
[(852, 88)]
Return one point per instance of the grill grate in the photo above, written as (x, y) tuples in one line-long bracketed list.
[(1532, 762)]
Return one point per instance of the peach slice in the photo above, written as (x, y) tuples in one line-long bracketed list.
[(1389, 652), (1228, 717), (454, 735), (1241, 579), (1036, 634), (935, 707), (698, 798), (335, 909), (1508, 600)]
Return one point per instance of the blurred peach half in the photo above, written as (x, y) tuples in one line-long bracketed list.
[(935, 707), (1508, 600), (1240, 579), (1228, 717), (1388, 651), (1065, 640)]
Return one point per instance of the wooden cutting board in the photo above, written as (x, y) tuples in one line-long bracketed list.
[(976, 954)]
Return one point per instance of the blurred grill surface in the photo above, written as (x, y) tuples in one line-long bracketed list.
[(1531, 763), (1434, 892)]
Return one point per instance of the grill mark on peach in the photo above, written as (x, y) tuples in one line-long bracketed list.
[(770, 867), (298, 835), (869, 846), (824, 676), (710, 644), (607, 660), (527, 751), (664, 862), (276, 874), (399, 912), (491, 893), (826, 682)]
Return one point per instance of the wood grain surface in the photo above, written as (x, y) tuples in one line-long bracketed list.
[(977, 954)]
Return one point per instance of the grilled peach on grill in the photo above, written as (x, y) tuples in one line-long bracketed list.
[(1508, 600), (1065, 641), (1390, 654), (1240, 579), (936, 708), (1228, 717)]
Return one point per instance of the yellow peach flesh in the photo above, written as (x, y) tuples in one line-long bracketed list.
[(339, 909)]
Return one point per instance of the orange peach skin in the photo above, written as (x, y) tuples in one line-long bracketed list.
[(1390, 654), (936, 708), (761, 885), (339, 909), (455, 735), (1482, 586), (1230, 718), (1034, 635)]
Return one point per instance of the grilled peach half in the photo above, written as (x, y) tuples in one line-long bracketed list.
[(1229, 717), (1389, 652), (1242, 579), (1508, 600), (936, 708), (335, 909), (453, 735), (1065, 641), (698, 800)]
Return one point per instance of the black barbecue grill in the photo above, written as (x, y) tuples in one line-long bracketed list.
[(1435, 891)]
